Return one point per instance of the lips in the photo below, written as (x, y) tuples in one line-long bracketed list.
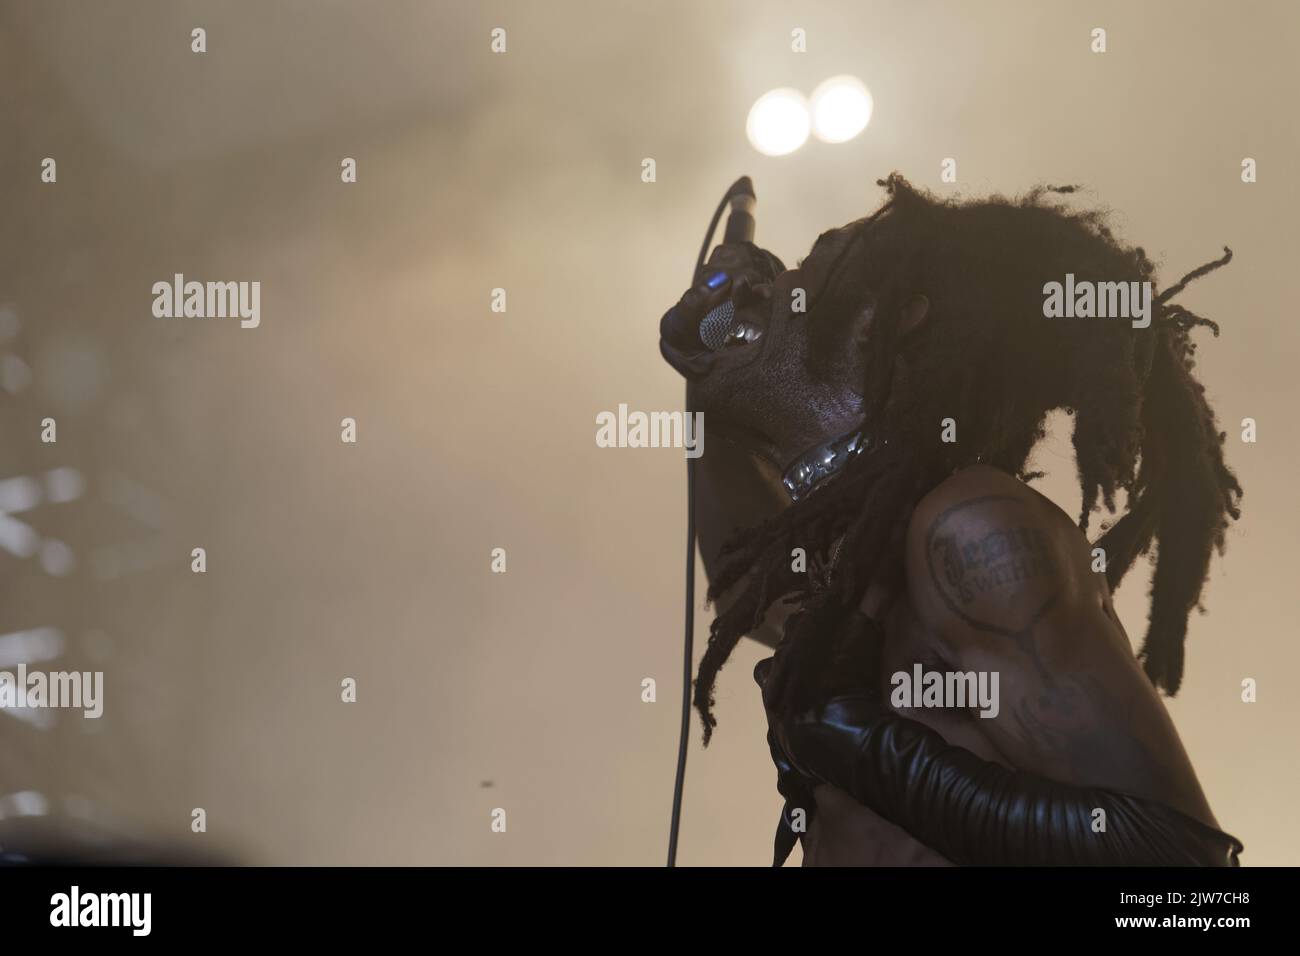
[(695, 362), (679, 332)]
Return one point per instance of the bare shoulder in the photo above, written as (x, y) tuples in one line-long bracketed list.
[(984, 497), (987, 552)]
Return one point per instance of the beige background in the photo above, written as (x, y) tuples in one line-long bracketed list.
[(477, 430)]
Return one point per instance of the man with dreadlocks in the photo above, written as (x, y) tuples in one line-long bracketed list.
[(890, 390)]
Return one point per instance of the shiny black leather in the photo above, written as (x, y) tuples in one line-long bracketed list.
[(971, 810), (798, 792)]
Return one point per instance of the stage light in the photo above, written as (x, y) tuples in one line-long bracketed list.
[(778, 122), (841, 109)]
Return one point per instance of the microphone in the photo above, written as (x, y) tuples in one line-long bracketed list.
[(716, 326), (740, 222)]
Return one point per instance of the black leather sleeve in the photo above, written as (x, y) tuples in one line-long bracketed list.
[(977, 812)]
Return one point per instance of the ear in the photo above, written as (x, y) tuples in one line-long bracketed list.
[(915, 311)]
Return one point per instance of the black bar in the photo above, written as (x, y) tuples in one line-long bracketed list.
[(307, 904)]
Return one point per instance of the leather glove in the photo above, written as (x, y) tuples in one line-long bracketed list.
[(798, 793), (860, 646), (974, 811), (969, 809)]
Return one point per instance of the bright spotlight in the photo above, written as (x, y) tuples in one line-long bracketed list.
[(841, 109), (778, 122)]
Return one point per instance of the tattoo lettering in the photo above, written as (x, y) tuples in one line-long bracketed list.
[(972, 567), (978, 574), (966, 567)]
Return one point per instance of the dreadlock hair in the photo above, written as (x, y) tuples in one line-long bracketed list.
[(987, 355)]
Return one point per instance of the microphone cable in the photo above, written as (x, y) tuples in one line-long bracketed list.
[(689, 653)]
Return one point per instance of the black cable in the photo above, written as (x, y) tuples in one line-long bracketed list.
[(689, 655)]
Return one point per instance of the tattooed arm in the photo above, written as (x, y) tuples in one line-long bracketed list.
[(1004, 581)]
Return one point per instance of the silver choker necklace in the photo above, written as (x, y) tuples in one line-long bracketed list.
[(820, 462)]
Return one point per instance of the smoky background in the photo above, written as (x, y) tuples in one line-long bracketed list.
[(476, 430)]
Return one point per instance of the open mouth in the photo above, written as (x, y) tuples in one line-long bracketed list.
[(687, 353), (742, 333)]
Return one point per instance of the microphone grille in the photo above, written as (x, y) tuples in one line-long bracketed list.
[(716, 326)]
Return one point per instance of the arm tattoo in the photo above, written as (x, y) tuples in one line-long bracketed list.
[(1071, 717), (997, 564), (1079, 719)]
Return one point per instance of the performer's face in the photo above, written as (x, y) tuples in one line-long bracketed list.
[(761, 393)]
